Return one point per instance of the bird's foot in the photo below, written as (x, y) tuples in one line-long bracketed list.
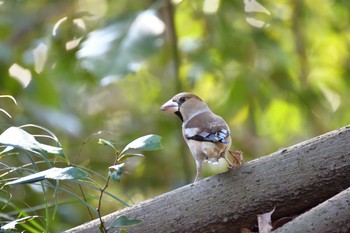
[(237, 158), (230, 164), (196, 179)]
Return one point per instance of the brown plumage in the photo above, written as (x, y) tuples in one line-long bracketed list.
[(206, 134)]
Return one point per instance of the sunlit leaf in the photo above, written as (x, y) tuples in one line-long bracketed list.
[(124, 221), (122, 230), (106, 143), (4, 111), (10, 97), (254, 6), (12, 225), (146, 143), (22, 75), (116, 171), (116, 167), (68, 173), (129, 155), (121, 47), (18, 138)]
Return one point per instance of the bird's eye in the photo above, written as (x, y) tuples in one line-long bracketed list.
[(182, 99)]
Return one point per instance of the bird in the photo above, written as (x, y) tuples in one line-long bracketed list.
[(206, 134)]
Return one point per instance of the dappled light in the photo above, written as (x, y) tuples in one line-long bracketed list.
[(251, 7), (22, 75), (122, 47), (95, 73)]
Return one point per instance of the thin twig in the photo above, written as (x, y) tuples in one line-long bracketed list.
[(76, 161), (98, 209)]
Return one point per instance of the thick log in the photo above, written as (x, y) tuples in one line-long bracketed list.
[(293, 180), (332, 215)]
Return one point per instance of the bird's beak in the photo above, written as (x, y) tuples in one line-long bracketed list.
[(170, 106)]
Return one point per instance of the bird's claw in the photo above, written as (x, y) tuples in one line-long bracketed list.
[(237, 159)]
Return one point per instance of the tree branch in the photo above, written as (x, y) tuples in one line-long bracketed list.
[(330, 216), (293, 180)]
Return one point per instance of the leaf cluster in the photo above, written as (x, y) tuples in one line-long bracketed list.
[(15, 140)]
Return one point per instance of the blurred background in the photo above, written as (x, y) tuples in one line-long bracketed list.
[(277, 71)]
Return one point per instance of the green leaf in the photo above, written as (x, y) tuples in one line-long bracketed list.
[(10, 97), (68, 173), (126, 156), (122, 230), (106, 143), (116, 171), (146, 143), (12, 225), (123, 221), (15, 137), (6, 113)]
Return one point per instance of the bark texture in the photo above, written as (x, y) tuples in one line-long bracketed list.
[(332, 215), (293, 180)]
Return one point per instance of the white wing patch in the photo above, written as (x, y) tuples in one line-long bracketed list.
[(191, 132)]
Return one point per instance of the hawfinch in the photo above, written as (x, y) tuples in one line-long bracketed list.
[(206, 134)]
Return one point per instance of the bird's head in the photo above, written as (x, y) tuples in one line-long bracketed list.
[(184, 105)]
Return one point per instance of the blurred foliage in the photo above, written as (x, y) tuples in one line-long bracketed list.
[(277, 71)]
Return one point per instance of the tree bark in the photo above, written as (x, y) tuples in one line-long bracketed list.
[(332, 215), (293, 180)]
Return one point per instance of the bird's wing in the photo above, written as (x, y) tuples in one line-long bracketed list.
[(207, 127)]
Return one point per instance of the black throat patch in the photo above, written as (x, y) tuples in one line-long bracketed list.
[(177, 113)]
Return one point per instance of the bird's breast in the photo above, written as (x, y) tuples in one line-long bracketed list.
[(207, 151)]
